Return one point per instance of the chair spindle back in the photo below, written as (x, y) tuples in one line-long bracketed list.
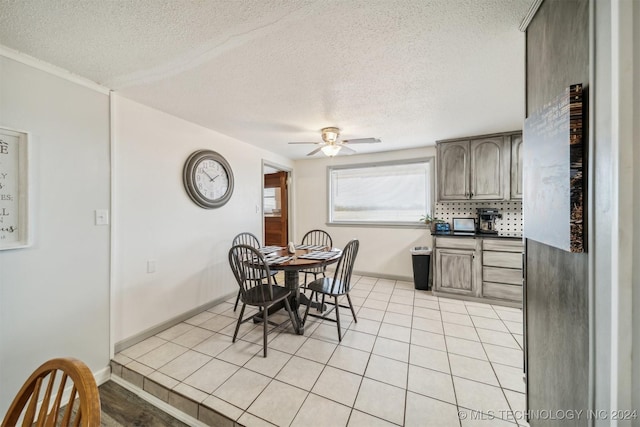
[(246, 239), (251, 269), (317, 237), (342, 276), (73, 373)]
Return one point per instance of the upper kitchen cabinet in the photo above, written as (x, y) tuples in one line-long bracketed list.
[(516, 167), (453, 170), (488, 166), (478, 168)]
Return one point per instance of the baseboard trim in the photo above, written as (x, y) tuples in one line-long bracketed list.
[(128, 342), (158, 403), (384, 276), (103, 375)]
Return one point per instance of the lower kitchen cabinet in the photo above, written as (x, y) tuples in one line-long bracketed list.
[(458, 270), (502, 276), (479, 268)]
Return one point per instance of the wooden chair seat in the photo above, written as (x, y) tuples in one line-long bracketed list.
[(327, 286), (259, 295)]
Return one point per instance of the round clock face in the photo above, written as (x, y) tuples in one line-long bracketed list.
[(208, 179)]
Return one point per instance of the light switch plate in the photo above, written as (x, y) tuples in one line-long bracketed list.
[(102, 217)]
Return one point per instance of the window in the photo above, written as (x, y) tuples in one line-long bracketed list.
[(269, 200), (391, 193)]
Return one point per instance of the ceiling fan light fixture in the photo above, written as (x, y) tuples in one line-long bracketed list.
[(331, 144), (331, 150), (330, 135)]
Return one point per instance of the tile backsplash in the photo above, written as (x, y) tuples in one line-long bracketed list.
[(511, 221)]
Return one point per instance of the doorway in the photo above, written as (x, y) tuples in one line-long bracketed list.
[(275, 206)]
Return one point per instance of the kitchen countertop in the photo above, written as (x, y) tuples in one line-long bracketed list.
[(484, 235)]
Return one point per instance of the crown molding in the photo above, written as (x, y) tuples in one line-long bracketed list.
[(52, 69), (530, 14)]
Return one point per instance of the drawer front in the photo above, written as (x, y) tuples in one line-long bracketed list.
[(504, 245), (502, 291), (456, 242), (502, 259), (502, 275)]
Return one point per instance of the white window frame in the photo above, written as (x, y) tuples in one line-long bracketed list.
[(429, 197)]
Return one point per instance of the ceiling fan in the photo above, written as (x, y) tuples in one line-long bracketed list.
[(331, 145)]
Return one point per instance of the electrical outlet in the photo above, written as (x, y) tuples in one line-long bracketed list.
[(151, 266)]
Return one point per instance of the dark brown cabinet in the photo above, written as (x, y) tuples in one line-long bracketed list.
[(276, 221)]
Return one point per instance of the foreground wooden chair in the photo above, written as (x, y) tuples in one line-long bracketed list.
[(251, 269), (58, 374), (249, 240)]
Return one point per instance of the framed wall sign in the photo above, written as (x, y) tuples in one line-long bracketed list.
[(553, 165), (14, 189)]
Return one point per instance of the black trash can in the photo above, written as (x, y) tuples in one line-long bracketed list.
[(421, 257)]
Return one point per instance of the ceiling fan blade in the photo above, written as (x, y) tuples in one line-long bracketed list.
[(314, 151), (306, 142), (361, 141), (347, 150)]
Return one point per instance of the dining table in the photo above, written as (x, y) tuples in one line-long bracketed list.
[(304, 257)]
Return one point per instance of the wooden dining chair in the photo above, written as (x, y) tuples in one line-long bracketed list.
[(336, 286), (249, 239), (46, 386), (250, 270), (319, 238)]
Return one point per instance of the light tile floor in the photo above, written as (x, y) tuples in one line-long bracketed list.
[(412, 359)]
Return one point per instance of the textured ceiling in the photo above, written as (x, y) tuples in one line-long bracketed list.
[(272, 71)]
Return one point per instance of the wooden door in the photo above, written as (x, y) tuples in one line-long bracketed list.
[(276, 215), (487, 168), (455, 271), (516, 167), (453, 170)]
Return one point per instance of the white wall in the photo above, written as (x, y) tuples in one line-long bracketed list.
[(154, 219), (54, 295), (383, 251), (616, 335)]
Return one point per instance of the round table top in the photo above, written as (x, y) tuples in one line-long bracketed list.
[(297, 263)]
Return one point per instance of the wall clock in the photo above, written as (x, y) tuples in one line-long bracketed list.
[(208, 179)]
